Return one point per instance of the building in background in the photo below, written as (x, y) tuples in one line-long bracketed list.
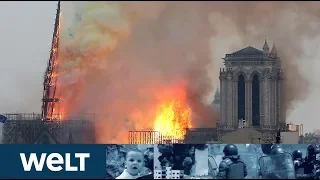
[(250, 93), (168, 173), (248, 101), (292, 134), (296, 128), (300, 129), (290, 137)]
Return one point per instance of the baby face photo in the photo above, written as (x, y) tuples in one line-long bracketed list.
[(129, 161)]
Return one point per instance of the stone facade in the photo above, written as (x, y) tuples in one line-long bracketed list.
[(243, 136), (265, 67)]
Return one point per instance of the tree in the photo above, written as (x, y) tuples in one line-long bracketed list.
[(310, 138)]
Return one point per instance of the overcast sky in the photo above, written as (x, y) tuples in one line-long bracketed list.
[(25, 39)]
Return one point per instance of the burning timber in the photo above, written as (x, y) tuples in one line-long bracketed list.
[(30, 129), (50, 100)]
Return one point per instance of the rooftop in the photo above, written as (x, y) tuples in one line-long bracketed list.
[(248, 51), (254, 52)]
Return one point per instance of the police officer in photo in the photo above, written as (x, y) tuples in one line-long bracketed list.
[(231, 167), (281, 165), (298, 162), (299, 165), (311, 164), (270, 173)]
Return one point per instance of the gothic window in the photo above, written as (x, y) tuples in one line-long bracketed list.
[(255, 101), (241, 97)]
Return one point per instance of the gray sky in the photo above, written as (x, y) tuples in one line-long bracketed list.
[(25, 41)]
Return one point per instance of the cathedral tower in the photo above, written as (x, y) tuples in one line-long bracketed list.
[(250, 89)]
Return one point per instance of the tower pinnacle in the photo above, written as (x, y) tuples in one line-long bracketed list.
[(274, 50), (265, 47)]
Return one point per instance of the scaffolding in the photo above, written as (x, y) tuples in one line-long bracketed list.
[(192, 136), (23, 128), (151, 137), (23, 116)]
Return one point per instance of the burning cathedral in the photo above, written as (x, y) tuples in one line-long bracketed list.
[(249, 101)]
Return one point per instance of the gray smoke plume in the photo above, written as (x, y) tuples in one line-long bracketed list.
[(170, 43)]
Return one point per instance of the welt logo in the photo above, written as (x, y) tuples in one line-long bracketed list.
[(75, 161), (54, 161)]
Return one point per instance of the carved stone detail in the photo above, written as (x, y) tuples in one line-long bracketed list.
[(240, 71), (255, 71)]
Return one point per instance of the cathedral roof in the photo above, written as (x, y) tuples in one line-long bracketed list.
[(248, 51), (45, 137)]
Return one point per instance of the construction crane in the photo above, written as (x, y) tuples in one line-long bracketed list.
[(50, 99)]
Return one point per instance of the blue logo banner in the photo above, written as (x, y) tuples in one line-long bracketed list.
[(142, 161), (53, 161)]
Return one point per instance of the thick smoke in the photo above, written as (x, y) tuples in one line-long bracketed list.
[(287, 25), (123, 56)]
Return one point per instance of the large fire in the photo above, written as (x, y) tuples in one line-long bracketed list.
[(126, 85), (172, 119)]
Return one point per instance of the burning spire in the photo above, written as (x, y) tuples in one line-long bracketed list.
[(50, 99)]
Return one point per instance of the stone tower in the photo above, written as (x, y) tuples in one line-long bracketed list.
[(250, 89)]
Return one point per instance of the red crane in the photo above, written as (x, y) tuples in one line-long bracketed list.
[(50, 98)]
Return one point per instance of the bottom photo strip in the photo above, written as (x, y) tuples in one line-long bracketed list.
[(212, 161)]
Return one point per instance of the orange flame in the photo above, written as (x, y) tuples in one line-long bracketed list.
[(173, 118), (55, 115)]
